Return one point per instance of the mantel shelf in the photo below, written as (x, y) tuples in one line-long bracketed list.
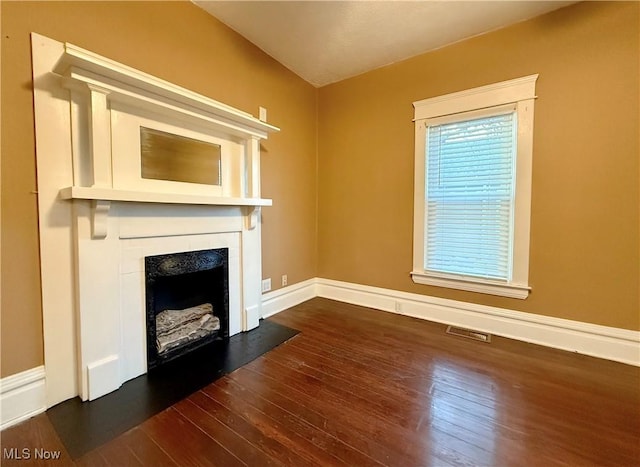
[(110, 194)]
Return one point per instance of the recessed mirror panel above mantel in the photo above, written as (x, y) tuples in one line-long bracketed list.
[(174, 158)]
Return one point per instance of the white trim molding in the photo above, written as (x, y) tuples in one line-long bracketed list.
[(468, 283), (281, 299), (123, 83), (606, 342), (620, 345), (481, 97), (514, 96), (22, 396)]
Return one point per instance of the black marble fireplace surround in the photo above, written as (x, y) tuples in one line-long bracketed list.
[(182, 280)]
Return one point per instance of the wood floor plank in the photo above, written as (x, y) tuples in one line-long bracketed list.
[(255, 435), (386, 423), (334, 420), (530, 379), (343, 453), (283, 430), (117, 452), (551, 386), (376, 324), (453, 381), (404, 401), (462, 407), (383, 413), (232, 441), (185, 443), (362, 387), (143, 448), (92, 459), (382, 442)]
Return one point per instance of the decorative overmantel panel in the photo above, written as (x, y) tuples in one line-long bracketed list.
[(109, 104), (108, 197)]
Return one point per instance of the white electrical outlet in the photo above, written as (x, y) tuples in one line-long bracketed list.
[(266, 285), (284, 280)]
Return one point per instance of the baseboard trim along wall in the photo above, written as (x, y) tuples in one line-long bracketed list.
[(281, 299), (22, 396), (620, 345)]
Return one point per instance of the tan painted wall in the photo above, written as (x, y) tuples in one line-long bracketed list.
[(585, 207), (585, 222), (178, 42)]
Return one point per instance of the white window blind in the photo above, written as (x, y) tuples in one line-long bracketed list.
[(469, 196)]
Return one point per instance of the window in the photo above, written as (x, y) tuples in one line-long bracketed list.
[(473, 189)]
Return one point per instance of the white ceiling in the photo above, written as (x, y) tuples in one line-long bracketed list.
[(328, 41)]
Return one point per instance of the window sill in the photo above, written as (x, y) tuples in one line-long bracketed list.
[(520, 292)]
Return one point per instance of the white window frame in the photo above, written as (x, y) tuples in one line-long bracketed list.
[(521, 93)]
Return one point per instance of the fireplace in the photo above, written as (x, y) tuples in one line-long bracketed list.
[(134, 170), (187, 302)]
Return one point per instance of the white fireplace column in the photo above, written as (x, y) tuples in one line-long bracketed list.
[(99, 217)]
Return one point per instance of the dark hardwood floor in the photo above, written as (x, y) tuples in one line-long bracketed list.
[(361, 387)]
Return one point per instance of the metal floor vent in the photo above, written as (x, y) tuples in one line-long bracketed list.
[(469, 334)]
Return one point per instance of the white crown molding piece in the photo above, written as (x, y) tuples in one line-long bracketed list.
[(621, 345), (504, 92), (125, 83), (22, 396)]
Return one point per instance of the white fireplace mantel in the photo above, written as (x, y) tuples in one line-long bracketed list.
[(102, 198), (108, 194), (99, 218), (106, 96)]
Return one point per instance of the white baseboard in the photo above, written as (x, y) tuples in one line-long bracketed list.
[(281, 299), (610, 343), (621, 345), (22, 396)]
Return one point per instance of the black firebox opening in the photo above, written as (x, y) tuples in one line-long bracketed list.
[(179, 282)]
